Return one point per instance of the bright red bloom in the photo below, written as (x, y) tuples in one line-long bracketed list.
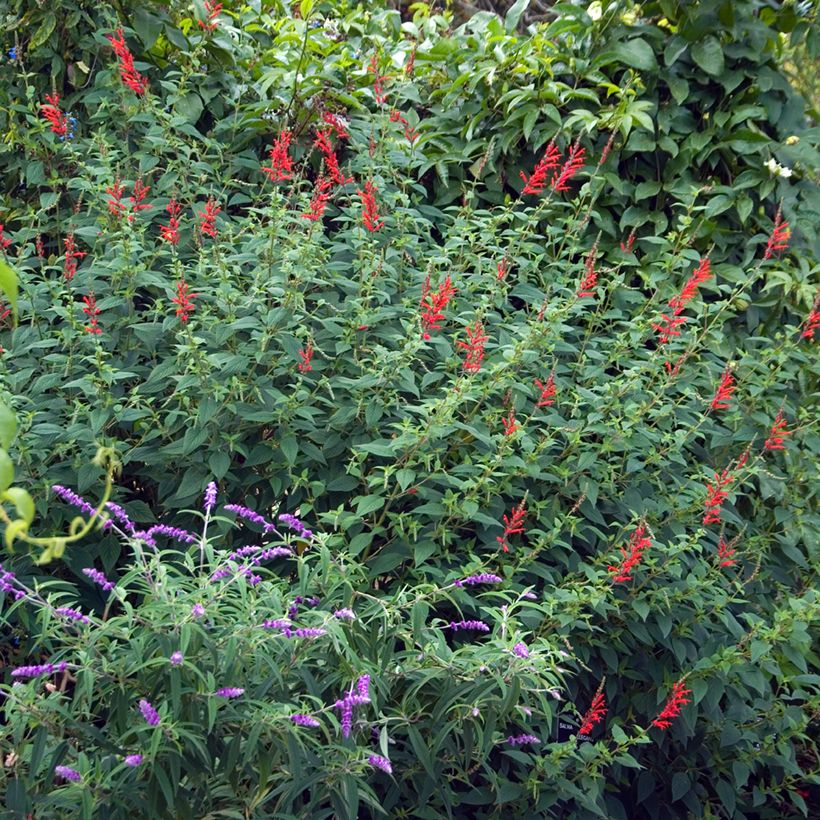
[(4, 240), (39, 246), (537, 181), (56, 118), (212, 10), (207, 224), (92, 311), (140, 192), (726, 552), (632, 555), (115, 192), (595, 714), (607, 149), (337, 123), (411, 62), (590, 279), (716, 495), (433, 305), (503, 269), (322, 143), (321, 194), (281, 164), (779, 239), (512, 525), (474, 347), (305, 354), (129, 75), (409, 132), (812, 322), (370, 210), (774, 440), (668, 326), (184, 300), (378, 79), (548, 391), (673, 705), (630, 241), (170, 232), (71, 257), (510, 424), (720, 401), (573, 164), (4, 311)]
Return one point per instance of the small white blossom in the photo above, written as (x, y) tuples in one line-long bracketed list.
[(595, 11), (776, 169)]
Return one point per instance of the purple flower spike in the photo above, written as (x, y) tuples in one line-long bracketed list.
[(210, 497), (73, 614), (346, 719), (133, 760), (292, 522), (379, 762), (249, 515), (480, 626), (305, 720), (70, 497), (176, 659), (363, 687), (67, 773), (521, 650), (98, 578), (7, 581), (150, 714), (481, 578), (121, 515), (37, 671), (276, 623), (197, 610), (172, 532), (304, 632), (521, 740), (345, 614), (229, 692)]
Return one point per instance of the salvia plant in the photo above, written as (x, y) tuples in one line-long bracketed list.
[(461, 382)]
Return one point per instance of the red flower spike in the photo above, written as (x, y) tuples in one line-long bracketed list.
[(140, 192), (503, 269), (720, 401), (370, 210), (4, 312), (595, 714), (115, 193), (668, 326), (57, 119), (337, 123), (184, 300), (674, 702), (590, 279), (537, 181), (779, 239), (630, 241), (378, 79), (513, 525), (573, 164), (777, 434), (725, 553), (305, 354), (212, 11), (128, 74), (207, 224), (812, 322), (433, 305), (322, 142), (92, 311), (716, 495), (474, 347), (71, 257), (281, 165), (548, 391), (321, 194), (411, 62), (510, 424), (170, 232), (632, 555), (4, 240), (409, 132)]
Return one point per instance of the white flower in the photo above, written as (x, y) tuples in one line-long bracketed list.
[(595, 11), (776, 169)]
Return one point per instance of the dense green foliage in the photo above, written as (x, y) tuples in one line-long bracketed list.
[(303, 379)]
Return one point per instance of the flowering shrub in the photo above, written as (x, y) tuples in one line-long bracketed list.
[(526, 335)]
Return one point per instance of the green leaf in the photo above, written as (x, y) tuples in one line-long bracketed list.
[(190, 107), (8, 426), (6, 471), (679, 88), (680, 785), (726, 792), (22, 502), (44, 31), (637, 53), (708, 54), (8, 284), (14, 529), (514, 15), (290, 449)]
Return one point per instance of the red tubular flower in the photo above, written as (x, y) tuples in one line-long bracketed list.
[(409, 132), (812, 322), (632, 555), (411, 62), (720, 401), (56, 118), (92, 311), (337, 123), (281, 165), (716, 495), (573, 164), (370, 210), (4, 240), (777, 434), (322, 143), (115, 192), (378, 79), (512, 525), (595, 714), (590, 279), (779, 239), (630, 241), (170, 232), (321, 194), (510, 424), (212, 11), (184, 300), (503, 269), (537, 181), (207, 224), (4, 312), (474, 347), (668, 326), (71, 257), (548, 391), (305, 354), (433, 305), (725, 553), (671, 710), (129, 75), (140, 192)]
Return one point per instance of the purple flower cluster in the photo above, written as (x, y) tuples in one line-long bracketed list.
[(133, 760), (67, 773), (150, 714), (73, 614), (530, 596), (176, 659), (98, 578), (70, 497), (40, 669), (276, 623), (480, 626), (293, 609), (345, 614), (229, 692), (197, 610), (164, 529), (521, 650), (305, 720), (481, 578), (379, 762), (7, 580), (249, 515), (293, 523), (303, 632), (122, 516), (345, 705), (210, 497), (521, 740)]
